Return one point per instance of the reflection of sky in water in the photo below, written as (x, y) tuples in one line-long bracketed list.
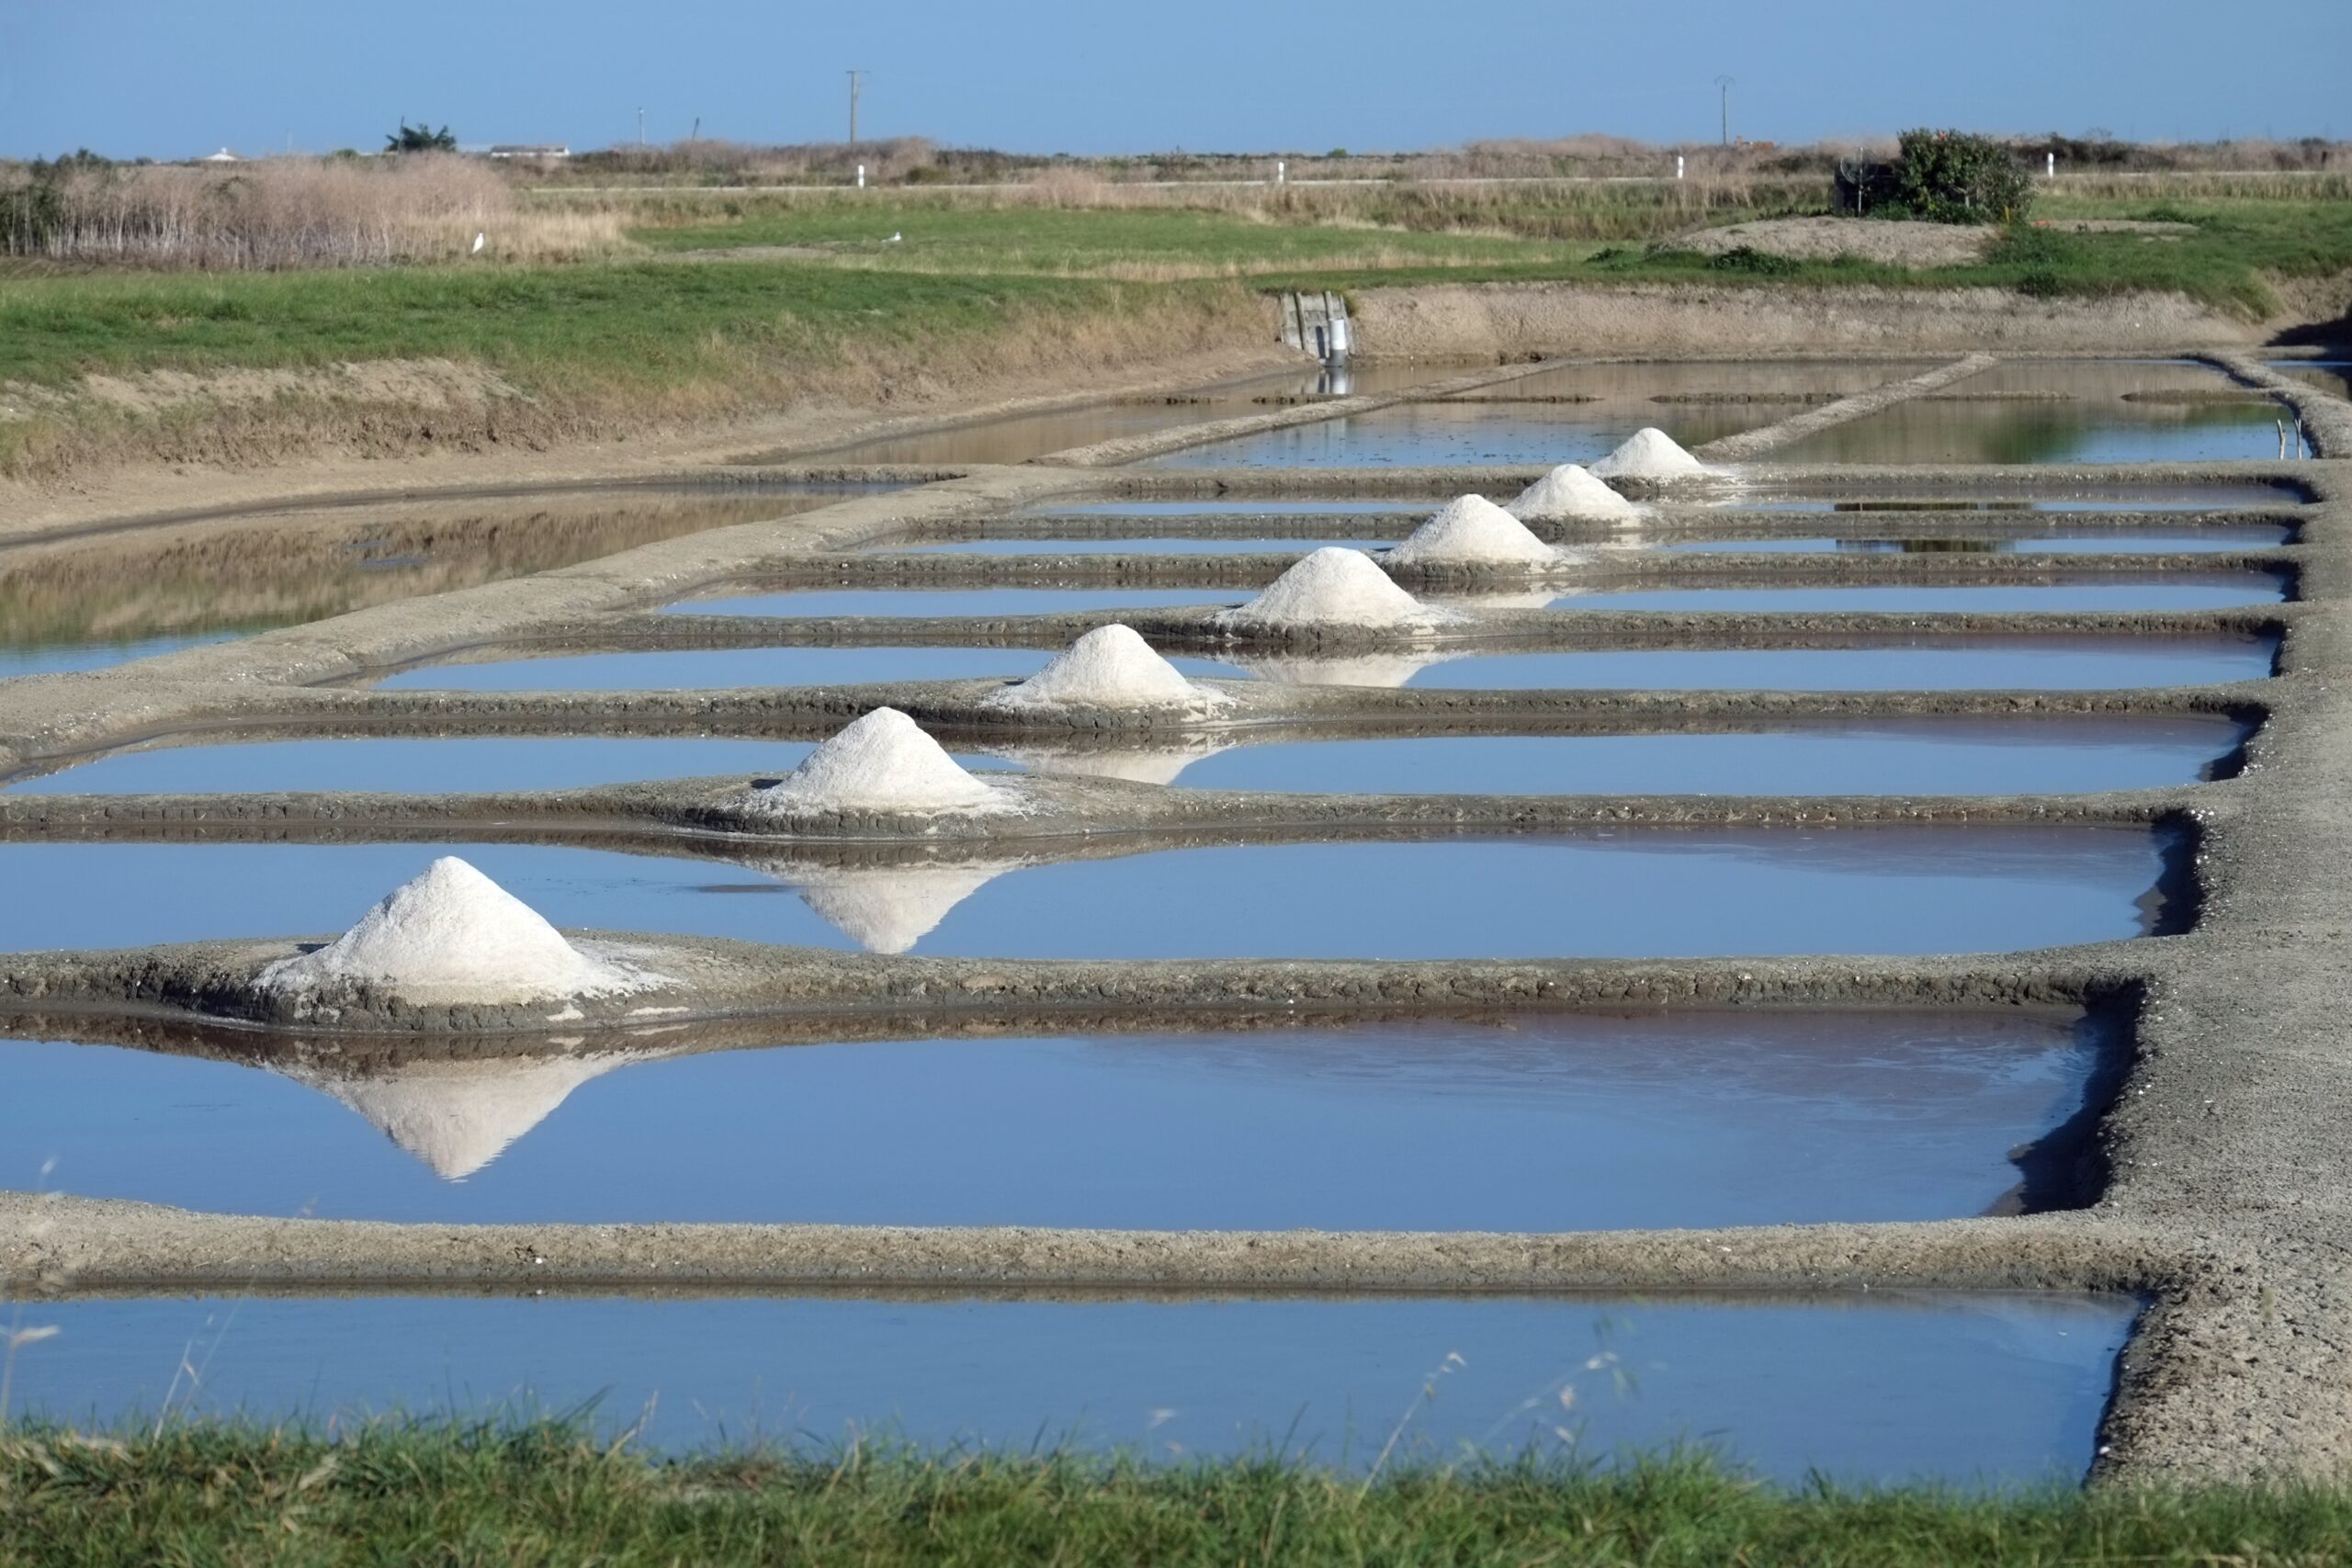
[(1153, 547), (1656, 893), (918, 602), (1424, 434), (2141, 541), (1961, 759), (1539, 1124), (1992, 664), (95, 655), (2170, 593), (1971, 1388), (423, 766), (2022, 665), (2113, 431)]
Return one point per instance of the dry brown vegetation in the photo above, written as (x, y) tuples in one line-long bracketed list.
[(283, 212)]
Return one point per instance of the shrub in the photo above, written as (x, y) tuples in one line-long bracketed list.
[(1950, 176), (1755, 263)]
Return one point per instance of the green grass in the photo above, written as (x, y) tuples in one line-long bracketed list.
[(1032, 239), (543, 1494), (635, 323)]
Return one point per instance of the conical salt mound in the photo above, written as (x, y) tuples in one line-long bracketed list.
[(880, 762), (1473, 531), (1333, 586), (1648, 454), (1570, 491), (887, 908), (1109, 667), (458, 1116), (452, 935)]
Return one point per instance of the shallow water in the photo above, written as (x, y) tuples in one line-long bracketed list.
[(1992, 663), (1983, 663), (2090, 542), (113, 595), (1230, 504), (1946, 757), (1968, 1389), (423, 765), (1510, 424), (2097, 421), (1661, 893), (902, 602), (1432, 434), (1970, 757), (1539, 1124), (101, 654), (2328, 375), (1175, 545), (2173, 593), (1898, 494)]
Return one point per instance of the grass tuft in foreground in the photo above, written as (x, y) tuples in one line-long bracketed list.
[(548, 1492)]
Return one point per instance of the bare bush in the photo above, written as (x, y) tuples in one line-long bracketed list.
[(279, 212)]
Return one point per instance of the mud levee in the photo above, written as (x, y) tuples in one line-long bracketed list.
[(1518, 319)]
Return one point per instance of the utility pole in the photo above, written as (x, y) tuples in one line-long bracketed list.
[(641, 125), (1724, 82), (855, 79)]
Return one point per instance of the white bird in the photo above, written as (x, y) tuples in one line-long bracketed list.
[(480, 241), (894, 239)]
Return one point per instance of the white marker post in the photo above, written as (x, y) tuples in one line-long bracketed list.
[(1282, 171), (1677, 165), (2050, 167), (860, 177)]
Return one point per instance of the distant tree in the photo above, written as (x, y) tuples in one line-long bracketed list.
[(1950, 176), (420, 139)]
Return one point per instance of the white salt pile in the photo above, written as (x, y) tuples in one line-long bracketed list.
[(887, 909), (1571, 492), (1109, 666), (1333, 586), (458, 1116), (452, 935), (1648, 454), (880, 762), (1470, 530)]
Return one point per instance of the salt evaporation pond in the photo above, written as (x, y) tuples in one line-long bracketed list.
[(1938, 757), (1969, 1389), (97, 653), (423, 765), (900, 603), (1539, 1124), (2178, 591), (1416, 436), (1617, 893), (114, 594), (1998, 494), (1194, 545), (2113, 541), (1952, 664), (1935, 758)]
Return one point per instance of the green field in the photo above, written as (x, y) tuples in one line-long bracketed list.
[(546, 1495)]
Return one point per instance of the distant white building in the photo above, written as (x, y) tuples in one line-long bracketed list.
[(222, 156), (530, 150)]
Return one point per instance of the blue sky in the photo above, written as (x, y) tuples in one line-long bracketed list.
[(171, 78)]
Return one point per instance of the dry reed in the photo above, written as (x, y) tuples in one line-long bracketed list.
[(284, 212)]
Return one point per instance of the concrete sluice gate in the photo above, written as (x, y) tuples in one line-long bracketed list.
[(1854, 912)]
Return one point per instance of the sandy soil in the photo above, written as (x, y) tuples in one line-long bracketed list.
[(1896, 242)]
